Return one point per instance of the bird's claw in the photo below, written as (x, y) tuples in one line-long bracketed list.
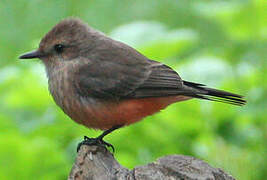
[(95, 141)]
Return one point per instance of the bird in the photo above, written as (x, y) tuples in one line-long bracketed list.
[(105, 84)]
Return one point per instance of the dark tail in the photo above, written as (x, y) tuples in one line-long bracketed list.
[(203, 92)]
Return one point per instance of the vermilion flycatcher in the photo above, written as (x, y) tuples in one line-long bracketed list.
[(105, 84)]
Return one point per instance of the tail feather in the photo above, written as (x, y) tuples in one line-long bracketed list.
[(203, 92)]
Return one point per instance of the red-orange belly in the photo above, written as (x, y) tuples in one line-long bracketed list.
[(122, 113)]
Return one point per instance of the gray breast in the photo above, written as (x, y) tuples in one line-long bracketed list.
[(62, 90)]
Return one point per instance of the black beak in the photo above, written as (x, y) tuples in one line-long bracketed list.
[(31, 55)]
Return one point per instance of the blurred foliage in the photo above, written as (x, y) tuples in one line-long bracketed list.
[(219, 43)]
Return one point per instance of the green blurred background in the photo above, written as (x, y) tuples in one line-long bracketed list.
[(219, 43)]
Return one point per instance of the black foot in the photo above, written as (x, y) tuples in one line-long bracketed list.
[(99, 140), (94, 141)]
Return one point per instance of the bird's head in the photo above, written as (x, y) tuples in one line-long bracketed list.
[(66, 41)]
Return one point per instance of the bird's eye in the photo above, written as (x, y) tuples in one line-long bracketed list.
[(59, 48)]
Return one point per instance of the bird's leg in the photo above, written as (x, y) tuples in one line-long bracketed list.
[(98, 140)]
